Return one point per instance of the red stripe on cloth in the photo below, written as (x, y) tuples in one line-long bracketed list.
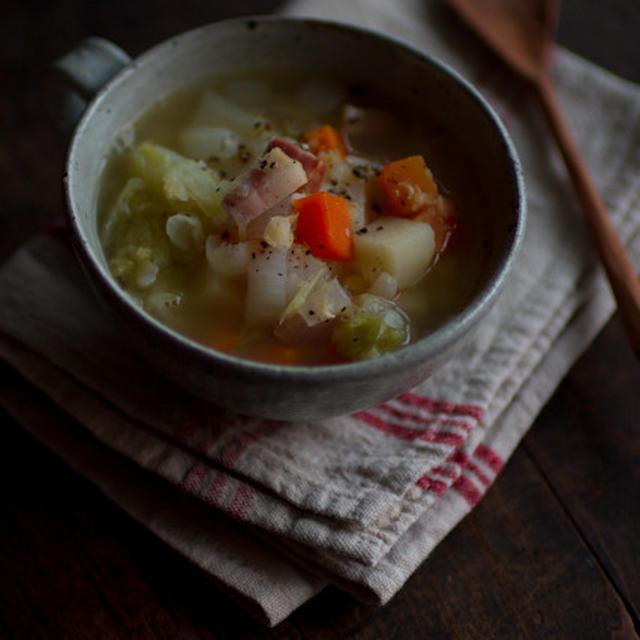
[(229, 456), (461, 460), (431, 484), (403, 414), (468, 490), (477, 471), (462, 424), (462, 484), (387, 427), (241, 502), (459, 457), (489, 457), (410, 433), (447, 473), (437, 406), (216, 489), (193, 478)]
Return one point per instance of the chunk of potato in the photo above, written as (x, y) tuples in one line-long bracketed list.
[(400, 247)]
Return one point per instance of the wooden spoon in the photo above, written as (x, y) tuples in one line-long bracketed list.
[(521, 32)]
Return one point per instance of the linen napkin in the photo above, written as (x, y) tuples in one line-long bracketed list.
[(275, 511)]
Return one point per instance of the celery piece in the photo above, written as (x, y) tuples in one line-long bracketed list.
[(365, 330)]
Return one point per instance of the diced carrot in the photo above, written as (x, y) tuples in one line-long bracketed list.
[(324, 225), (407, 186), (444, 221), (326, 138)]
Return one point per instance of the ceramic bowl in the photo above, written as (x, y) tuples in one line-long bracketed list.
[(255, 388)]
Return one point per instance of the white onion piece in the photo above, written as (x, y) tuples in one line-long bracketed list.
[(295, 330), (385, 286), (325, 302), (228, 259), (216, 109), (266, 286), (204, 142), (185, 231), (301, 267)]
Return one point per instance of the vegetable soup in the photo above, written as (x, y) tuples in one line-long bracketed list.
[(292, 220)]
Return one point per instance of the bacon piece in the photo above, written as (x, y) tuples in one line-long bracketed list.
[(276, 177), (315, 168)]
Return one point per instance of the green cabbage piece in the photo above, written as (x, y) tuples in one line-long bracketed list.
[(136, 243), (187, 185)]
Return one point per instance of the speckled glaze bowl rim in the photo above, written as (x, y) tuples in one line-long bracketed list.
[(405, 357)]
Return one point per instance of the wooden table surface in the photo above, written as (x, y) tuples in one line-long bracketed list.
[(552, 551)]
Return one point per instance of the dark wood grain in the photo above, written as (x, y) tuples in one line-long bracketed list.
[(587, 446), (550, 552), (601, 31), (586, 442)]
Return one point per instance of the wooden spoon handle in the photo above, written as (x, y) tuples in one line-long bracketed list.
[(620, 271)]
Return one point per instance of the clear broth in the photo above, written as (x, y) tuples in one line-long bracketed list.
[(449, 284)]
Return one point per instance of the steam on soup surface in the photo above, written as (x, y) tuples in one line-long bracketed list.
[(291, 220)]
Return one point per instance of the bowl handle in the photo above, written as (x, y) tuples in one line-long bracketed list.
[(79, 75)]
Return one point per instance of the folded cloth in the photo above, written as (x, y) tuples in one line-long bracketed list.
[(358, 501)]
